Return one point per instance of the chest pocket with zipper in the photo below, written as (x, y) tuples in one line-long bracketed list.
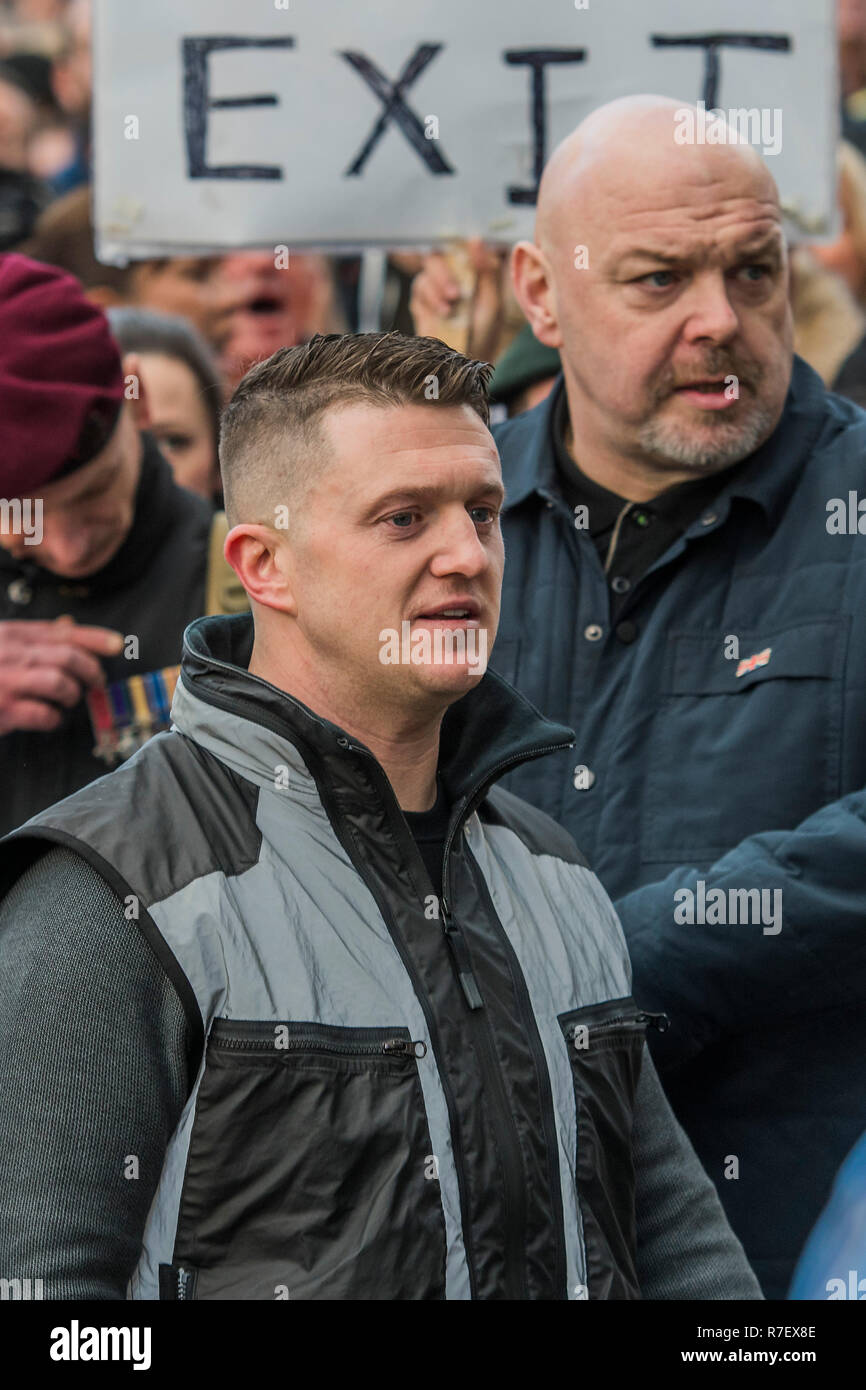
[(605, 1048), (309, 1173), (745, 744)]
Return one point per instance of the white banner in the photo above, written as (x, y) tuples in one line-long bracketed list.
[(334, 123)]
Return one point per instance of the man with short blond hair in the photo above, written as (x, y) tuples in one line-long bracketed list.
[(364, 1022)]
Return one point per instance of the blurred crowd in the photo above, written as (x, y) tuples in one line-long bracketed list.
[(199, 322)]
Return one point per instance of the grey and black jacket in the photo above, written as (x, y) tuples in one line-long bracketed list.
[(403, 1090)]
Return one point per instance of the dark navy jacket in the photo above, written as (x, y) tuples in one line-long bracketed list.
[(695, 762)]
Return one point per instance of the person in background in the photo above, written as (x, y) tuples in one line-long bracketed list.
[(846, 254), (103, 558), (22, 195), (19, 119), (190, 286), (277, 305), (829, 288), (828, 321), (184, 393), (525, 373), (683, 590), (851, 35), (72, 81)]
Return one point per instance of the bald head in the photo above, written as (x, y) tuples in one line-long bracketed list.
[(659, 271), (632, 150)]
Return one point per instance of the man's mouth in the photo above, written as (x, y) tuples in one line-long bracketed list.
[(450, 614), (264, 304), (710, 394)]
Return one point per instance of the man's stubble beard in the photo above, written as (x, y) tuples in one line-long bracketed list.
[(721, 442), (669, 446)]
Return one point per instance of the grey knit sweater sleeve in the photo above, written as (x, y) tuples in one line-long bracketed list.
[(686, 1248), (92, 1081)]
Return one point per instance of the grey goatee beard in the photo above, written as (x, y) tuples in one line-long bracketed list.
[(716, 442), (668, 445)]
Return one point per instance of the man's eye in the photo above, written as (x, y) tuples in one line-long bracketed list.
[(762, 272), (403, 520), (177, 441), (654, 277), (485, 520)]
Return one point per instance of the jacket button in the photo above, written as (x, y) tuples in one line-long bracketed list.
[(20, 591), (626, 631), (584, 778), (593, 633), (620, 584)]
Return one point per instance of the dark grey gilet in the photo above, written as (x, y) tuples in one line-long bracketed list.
[(403, 1090)]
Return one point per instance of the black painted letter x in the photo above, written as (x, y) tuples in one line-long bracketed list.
[(391, 96)]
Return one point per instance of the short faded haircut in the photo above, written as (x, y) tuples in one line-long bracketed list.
[(271, 443)]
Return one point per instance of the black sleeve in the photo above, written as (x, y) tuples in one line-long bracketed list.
[(93, 1079)]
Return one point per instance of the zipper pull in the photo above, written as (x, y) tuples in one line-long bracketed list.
[(184, 1279), (405, 1047), (460, 957), (660, 1022)]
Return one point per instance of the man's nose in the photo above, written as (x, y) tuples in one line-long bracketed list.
[(458, 548), (711, 315)]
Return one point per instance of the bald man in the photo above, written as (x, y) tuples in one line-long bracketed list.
[(685, 587)]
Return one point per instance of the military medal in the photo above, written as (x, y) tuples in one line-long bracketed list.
[(125, 714)]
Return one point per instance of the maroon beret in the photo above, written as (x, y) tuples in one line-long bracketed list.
[(61, 380)]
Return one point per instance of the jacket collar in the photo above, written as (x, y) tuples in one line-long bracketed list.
[(484, 734), (766, 480)]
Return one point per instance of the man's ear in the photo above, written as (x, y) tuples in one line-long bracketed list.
[(135, 391), (530, 276), (260, 559)]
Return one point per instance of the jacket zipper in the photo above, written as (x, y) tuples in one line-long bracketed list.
[(454, 937), (184, 1279), (505, 1127), (509, 1144), (391, 1047), (426, 1007), (548, 1120), (654, 1020), (661, 1022)]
